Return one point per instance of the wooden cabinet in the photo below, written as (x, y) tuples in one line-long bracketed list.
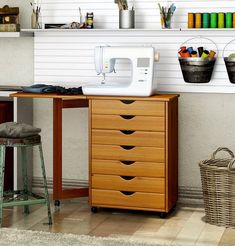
[(6, 115), (134, 152)]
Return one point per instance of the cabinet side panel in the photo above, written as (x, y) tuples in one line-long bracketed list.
[(90, 149), (6, 115), (172, 153)]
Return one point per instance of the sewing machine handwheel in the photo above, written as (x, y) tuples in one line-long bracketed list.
[(157, 57), (94, 210)]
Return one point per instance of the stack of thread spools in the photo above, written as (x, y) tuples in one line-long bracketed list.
[(201, 52), (211, 20)]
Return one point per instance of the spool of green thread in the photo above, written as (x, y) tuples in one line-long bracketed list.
[(214, 20), (205, 20), (229, 20), (221, 20)]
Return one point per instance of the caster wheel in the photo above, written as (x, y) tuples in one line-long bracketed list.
[(57, 203), (94, 210), (163, 215)]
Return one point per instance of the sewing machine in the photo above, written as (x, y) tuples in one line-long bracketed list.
[(141, 83)]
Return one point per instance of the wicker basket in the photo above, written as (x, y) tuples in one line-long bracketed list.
[(218, 185)]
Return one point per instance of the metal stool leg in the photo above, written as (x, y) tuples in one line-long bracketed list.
[(2, 170), (45, 185), (25, 176)]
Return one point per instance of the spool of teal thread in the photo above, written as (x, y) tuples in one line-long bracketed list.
[(205, 20), (229, 20), (214, 20), (221, 20)]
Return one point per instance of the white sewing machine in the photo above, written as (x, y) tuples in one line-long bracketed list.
[(142, 61)]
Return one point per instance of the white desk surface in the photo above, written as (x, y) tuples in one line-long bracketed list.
[(6, 93)]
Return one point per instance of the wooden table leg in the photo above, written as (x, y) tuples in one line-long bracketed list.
[(57, 148), (58, 192)]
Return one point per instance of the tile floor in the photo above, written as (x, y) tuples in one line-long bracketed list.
[(184, 226)]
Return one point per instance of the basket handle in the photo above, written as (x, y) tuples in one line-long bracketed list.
[(227, 45), (198, 37), (223, 149), (231, 165)]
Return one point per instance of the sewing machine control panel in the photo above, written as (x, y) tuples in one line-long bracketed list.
[(143, 65)]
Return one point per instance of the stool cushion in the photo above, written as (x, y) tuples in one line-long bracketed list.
[(17, 130), (27, 141)]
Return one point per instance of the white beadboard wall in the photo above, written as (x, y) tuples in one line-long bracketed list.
[(66, 57)]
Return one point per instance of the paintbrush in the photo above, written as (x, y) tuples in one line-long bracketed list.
[(80, 14), (133, 5), (160, 8), (164, 15), (32, 6), (119, 5), (124, 4)]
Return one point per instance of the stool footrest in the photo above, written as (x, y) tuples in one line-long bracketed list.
[(24, 203), (21, 198)]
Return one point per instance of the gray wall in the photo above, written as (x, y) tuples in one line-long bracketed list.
[(16, 61), (206, 121)]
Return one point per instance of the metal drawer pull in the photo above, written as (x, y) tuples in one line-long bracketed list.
[(127, 117), (127, 101), (127, 193), (127, 177), (126, 147), (127, 132), (127, 162)]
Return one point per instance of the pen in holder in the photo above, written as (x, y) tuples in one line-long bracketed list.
[(166, 15), (36, 16)]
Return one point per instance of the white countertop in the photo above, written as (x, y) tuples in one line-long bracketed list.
[(6, 93)]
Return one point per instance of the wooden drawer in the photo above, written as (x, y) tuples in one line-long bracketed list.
[(130, 168), (137, 199), (136, 138), (128, 183), (117, 122), (127, 153), (128, 107)]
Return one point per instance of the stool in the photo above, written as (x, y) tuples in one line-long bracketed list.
[(22, 197)]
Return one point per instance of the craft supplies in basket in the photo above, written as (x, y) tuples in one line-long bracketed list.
[(197, 64), (230, 62), (218, 186)]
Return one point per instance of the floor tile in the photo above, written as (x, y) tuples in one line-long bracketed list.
[(185, 226), (228, 236), (210, 235)]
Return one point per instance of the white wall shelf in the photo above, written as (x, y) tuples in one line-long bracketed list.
[(16, 34), (128, 30), (132, 32)]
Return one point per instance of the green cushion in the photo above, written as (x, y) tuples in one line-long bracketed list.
[(17, 130)]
